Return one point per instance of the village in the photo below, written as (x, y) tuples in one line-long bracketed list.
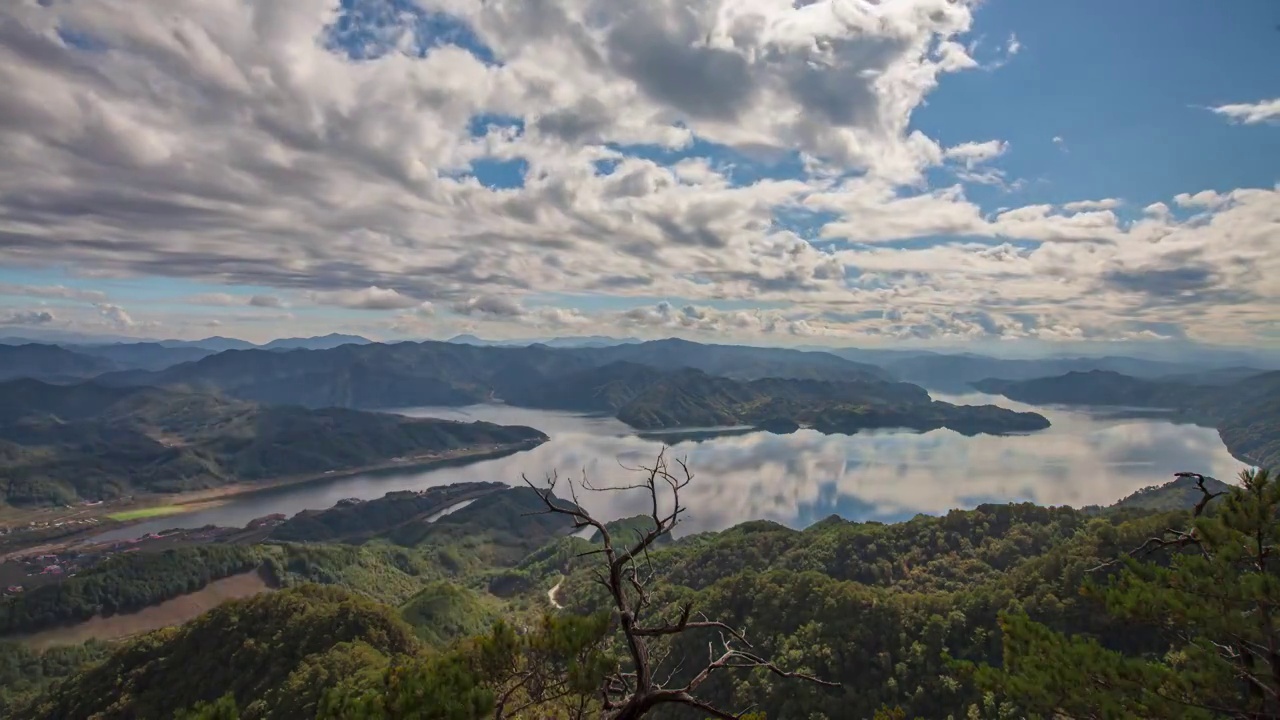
[(51, 564)]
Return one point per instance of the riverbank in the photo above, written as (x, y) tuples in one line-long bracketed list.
[(79, 523)]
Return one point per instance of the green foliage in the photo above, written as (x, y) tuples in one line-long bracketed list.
[(386, 574), (25, 673), (443, 611), (1214, 603), (275, 655), (548, 671), (901, 614), (124, 583), (224, 708)]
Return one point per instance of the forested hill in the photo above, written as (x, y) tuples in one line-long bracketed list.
[(668, 383), (59, 443), (1246, 412), (883, 609)]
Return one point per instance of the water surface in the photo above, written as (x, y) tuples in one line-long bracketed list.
[(1086, 457)]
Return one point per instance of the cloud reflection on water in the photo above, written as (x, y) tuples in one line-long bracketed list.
[(1086, 457)]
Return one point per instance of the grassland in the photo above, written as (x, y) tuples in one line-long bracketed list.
[(148, 512)]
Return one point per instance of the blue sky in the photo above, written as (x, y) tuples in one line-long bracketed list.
[(381, 167)]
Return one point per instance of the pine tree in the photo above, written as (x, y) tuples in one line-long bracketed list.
[(1213, 593)]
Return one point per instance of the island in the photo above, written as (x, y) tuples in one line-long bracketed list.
[(1245, 412)]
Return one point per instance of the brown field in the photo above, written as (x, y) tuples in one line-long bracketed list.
[(170, 612)]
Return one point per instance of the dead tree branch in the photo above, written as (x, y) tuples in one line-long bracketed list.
[(631, 695)]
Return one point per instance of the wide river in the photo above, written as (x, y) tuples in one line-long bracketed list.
[(1087, 457)]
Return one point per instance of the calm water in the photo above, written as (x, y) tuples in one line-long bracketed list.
[(1087, 457)]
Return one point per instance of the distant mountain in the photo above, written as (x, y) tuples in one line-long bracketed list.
[(565, 342), (323, 342), (1097, 387), (954, 373), (144, 355), (50, 362), (1246, 413), (216, 344), (437, 373), (738, 361), (59, 443)]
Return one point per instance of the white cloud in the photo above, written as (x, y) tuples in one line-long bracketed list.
[(27, 317), (1250, 113), (370, 298), (1103, 204), (1013, 46), (221, 142), (1205, 199), (974, 153), (116, 316)]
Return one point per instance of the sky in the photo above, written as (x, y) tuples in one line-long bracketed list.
[(780, 172)]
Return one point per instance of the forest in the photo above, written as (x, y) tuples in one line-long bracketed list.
[(64, 443), (1144, 609)]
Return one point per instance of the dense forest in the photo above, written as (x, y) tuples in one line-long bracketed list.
[(936, 617), (61, 443)]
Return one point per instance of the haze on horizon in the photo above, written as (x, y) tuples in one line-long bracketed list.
[(993, 174)]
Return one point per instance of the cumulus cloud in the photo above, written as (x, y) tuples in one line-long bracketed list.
[(27, 317), (668, 316), (115, 316), (1205, 199), (489, 305), (246, 145), (973, 153), (1085, 205), (1250, 113), (370, 298)]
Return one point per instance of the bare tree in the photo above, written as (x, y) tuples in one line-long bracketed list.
[(628, 694)]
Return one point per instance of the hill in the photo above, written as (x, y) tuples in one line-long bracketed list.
[(1246, 412), (883, 609), (143, 355), (50, 363), (361, 519), (275, 654), (61, 443)]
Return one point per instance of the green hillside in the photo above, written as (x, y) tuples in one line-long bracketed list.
[(61, 443)]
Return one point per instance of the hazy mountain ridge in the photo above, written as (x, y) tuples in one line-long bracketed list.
[(1246, 412)]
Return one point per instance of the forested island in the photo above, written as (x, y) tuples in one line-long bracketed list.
[(393, 612)]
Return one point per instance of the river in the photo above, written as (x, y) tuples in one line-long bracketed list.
[(1087, 457)]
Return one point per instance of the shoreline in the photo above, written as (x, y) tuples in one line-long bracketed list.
[(196, 500)]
